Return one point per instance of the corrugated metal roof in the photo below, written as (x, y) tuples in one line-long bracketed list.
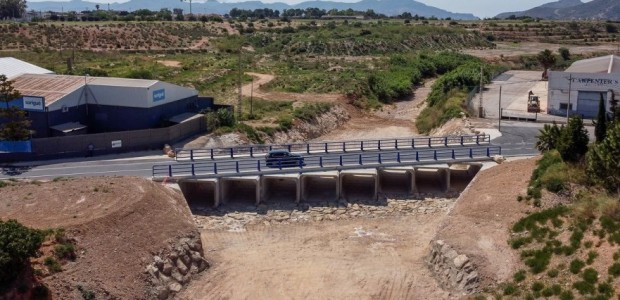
[(12, 67), (54, 87), (604, 64)]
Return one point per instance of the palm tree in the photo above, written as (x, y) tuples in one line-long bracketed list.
[(547, 60), (548, 138), (97, 6)]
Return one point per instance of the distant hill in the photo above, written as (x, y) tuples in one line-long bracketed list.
[(387, 7), (572, 10)]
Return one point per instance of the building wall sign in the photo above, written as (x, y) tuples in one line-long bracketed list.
[(598, 82), (33, 103), (584, 81), (159, 95)]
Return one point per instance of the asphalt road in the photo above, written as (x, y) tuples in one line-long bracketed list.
[(517, 139)]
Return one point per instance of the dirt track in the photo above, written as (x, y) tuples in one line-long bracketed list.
[(262, 79)]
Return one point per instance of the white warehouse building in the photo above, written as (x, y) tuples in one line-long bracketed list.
[(580, 87)]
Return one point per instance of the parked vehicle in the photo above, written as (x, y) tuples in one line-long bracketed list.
[(284, 159)]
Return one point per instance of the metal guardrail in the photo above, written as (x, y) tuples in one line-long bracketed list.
[(325, 163), (332, 147)]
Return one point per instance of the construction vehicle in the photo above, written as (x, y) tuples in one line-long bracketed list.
[(533, 103)]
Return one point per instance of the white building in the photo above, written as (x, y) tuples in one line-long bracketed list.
[(580, 87), (12, 67)]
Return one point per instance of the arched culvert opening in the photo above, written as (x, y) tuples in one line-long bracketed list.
[(396, 182), (461, 175), (280, 189), (240, 191), (431, 180), (199, 194), (358, 187), (316, 188)]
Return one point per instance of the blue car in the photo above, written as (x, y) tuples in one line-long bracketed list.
[(284, 159)]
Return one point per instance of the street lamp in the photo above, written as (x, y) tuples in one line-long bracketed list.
[(190, 5)]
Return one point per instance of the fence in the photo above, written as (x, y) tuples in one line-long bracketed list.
[(331, 147), (15, 146), (109, 142), (325, 162)]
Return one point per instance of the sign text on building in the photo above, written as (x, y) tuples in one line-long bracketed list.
[(159, 95)]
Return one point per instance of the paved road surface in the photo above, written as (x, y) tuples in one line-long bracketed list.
[(517, 140)]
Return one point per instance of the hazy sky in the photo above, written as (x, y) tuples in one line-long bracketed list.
[(480, 8)]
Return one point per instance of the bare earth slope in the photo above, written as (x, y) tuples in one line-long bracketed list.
[(479, 223), (119, 224)]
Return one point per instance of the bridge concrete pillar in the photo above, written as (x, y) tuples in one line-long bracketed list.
[(413, 187)]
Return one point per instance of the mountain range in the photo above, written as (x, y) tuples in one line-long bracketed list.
[(572, 10), (387, 7)]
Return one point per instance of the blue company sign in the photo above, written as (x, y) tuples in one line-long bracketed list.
[(159, 95), (29, 103)]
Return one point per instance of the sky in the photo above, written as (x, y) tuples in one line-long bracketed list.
[(480, 8)]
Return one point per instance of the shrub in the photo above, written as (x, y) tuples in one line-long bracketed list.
[(17, 244), (537, 286), (614, 270), (553, 273), (584, 287), (591, 256), (590, 275), (576, 265), (510, 289), (557, 289), (40, 291), (539, 261), (516, 243), (52, 264), (573, 143), (602, 162), (605, 289), (567, 295), (519, 276), (65, 251), (548, 292)]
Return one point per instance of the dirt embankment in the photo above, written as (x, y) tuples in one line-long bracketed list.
[(479, 224), (119, 224)]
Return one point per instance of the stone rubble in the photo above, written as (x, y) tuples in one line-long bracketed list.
[(454, 271), (234, 219)]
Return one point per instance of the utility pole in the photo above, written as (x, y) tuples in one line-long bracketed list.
[(570, 83), (251, 96), (499, 106), (239, 83), (480, 115)]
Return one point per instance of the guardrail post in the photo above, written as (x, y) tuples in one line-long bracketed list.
[(453, 157), (435, 155), (477, 140), (429, 143), (417, 156), (169, 170), (252, 152), (289, 147), (471, 153), (380, 162), (270, 147), (308, 148), (193, 171), (488, 152), (321, 161), (445, 141), (325, 147), (461, 140), (211, 153), (344, 147), (412, 143), (231, 153), (341, 160), (191, 155), (360, 160), (214, 168), (258, 165), (301, 164), (398, 157), (500, 151), (362, 146), (396, 144), (237, 166)]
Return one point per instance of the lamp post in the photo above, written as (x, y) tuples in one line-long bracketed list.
[(190, 5), (570, 83)]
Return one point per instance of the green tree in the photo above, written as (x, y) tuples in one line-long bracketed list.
[(614, 108), (564, 53), (16, 125), (17, 244), (547, 60), (603, 165), (12, 8), (573, 142), (548, 138), (601, 121)]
